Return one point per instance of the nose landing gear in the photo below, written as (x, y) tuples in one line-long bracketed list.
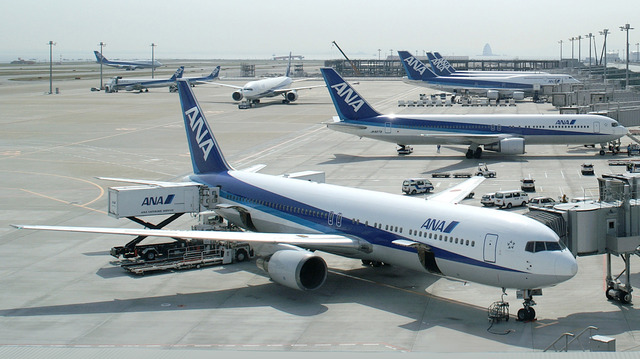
[(527, 313)]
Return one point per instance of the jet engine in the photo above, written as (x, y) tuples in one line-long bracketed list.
[(518, 95), (297, 269), (291, 96), (237, 96), (509, 146)]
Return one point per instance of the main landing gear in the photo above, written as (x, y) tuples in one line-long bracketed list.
[(474, 151), (614, 147), (527, 313)]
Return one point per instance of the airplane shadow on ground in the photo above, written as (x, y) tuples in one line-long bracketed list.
[(389, 289)]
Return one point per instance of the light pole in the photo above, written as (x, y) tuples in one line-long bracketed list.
[(637, 51), (590, 35), (626, 28), (102, 44), (379, 54), (572, 39), (153, 46), (560, 42), (605, 32), (51, 44), (579, 47)]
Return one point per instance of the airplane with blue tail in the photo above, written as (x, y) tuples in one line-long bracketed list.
[(291, 221), (506, 134), (441, 67), (127, 65), (493, 87), (129, 84)]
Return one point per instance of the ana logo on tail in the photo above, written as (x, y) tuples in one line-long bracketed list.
[(350, 96), (196, 123), (416, 64), (439, 64)]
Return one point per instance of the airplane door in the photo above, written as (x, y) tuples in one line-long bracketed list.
[(387, 127), (490, 245), (596, 127)]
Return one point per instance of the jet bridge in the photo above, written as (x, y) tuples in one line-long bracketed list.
[(609, 226)]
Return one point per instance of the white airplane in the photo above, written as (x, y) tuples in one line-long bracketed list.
[(117, 83), (253, 91), (494, 87), (199, 80), (288, 219), (442, 67), (127, 65), (506, 134)]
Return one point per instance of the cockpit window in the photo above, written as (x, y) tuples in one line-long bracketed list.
[(615, 124), (535, 247)]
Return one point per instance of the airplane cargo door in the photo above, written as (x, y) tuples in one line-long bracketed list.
[(387, 127), (490, 245), (596, 127)]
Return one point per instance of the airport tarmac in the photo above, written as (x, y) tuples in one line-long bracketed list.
[(61, 290)]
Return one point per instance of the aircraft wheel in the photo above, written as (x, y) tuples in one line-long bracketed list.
[(526, 314), (478, 153), (366, 262), (469, 154)]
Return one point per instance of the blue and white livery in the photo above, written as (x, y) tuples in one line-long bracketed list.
[(118, 83), (507, 134), (127, 65), (441, 67), (289, 218), (512, 86)]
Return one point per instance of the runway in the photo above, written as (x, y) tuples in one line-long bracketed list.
[(62, 290)]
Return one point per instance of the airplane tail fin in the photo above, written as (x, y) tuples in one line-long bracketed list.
[(446, 63), (178, 73), (348, 102), (100, 58), (415, 69), (206, 156), (214, 74), (288, 73), (437, 65)]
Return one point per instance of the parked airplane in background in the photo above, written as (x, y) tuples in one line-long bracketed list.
[(128, 65), (118, 83), (442, 67), (204, 79), (507, 134), (493, 87), (290, 218), (255, 90)]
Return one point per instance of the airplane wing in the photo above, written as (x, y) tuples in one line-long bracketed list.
[(150, 182), (281, 91), (308, 241), (254, 168), (458, 192), (467, 138), (221, 84)]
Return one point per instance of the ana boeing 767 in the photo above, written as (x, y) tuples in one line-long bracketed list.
[(298, 219)]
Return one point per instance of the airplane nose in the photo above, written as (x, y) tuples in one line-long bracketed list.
[(566, 266)]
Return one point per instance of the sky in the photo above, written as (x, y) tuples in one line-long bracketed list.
[(257, 29)]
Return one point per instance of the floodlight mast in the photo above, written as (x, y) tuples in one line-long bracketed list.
[(101, 44), (626, 28), (152, 59), (51, 44)]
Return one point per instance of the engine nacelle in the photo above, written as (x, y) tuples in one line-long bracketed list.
[(291, 96), (509, 146), (518, 95), (297, 269), (493, 95), (237, 96)]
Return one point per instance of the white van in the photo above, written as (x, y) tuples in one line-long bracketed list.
[(511, 198), (488, 199), (416, 185)]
